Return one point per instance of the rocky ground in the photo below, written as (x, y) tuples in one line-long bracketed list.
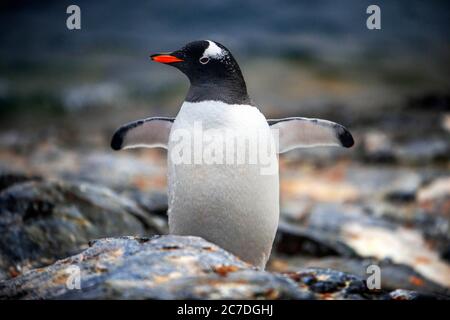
[(176, 267), (384, 202), (378, 205)]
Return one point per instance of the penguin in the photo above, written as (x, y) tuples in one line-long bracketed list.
[(234, 205)]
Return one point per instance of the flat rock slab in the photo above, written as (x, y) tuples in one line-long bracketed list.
[(178, 267)]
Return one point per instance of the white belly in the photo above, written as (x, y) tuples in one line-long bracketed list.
[(233, 204)]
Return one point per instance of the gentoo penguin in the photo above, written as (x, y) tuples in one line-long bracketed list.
[(230, 203)]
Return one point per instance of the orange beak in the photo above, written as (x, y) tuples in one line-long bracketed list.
[(165, 58)]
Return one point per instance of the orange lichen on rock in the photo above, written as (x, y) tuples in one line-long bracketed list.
[(416, 281), (223, 270)]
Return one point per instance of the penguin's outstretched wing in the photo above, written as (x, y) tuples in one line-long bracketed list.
[(299, 132), (147, 133)]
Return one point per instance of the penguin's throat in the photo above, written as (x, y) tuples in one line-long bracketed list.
[(229, 92)]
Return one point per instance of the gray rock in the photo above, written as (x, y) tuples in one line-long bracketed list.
[(41, 221), (177, 267), (8, 179), (354, 231), (377, 147), (333, 285), (93, 95), (155, 203), (384, 180), (434, 198), (318, 231), (393, 275), (118, 172), (167, 267), (292, 240), (424, 151), (401, 294)]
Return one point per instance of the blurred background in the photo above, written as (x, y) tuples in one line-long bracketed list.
[(385, 201)]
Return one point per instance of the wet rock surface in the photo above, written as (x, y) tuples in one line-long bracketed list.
[(177, 267)]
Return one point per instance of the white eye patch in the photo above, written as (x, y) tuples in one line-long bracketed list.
[(214, 51)]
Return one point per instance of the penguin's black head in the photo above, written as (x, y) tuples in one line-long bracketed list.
[(212, 70)]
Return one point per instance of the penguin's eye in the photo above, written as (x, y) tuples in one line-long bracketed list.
[(204, 60)]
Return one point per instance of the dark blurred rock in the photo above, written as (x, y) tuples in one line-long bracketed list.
[(416, 148), (445, 253), (430, 102), (154, 203), (393, 275), (334, 285), (177, 267), (41, 221), (292, 240), (423, 151), (7, 179), (436, 231)]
